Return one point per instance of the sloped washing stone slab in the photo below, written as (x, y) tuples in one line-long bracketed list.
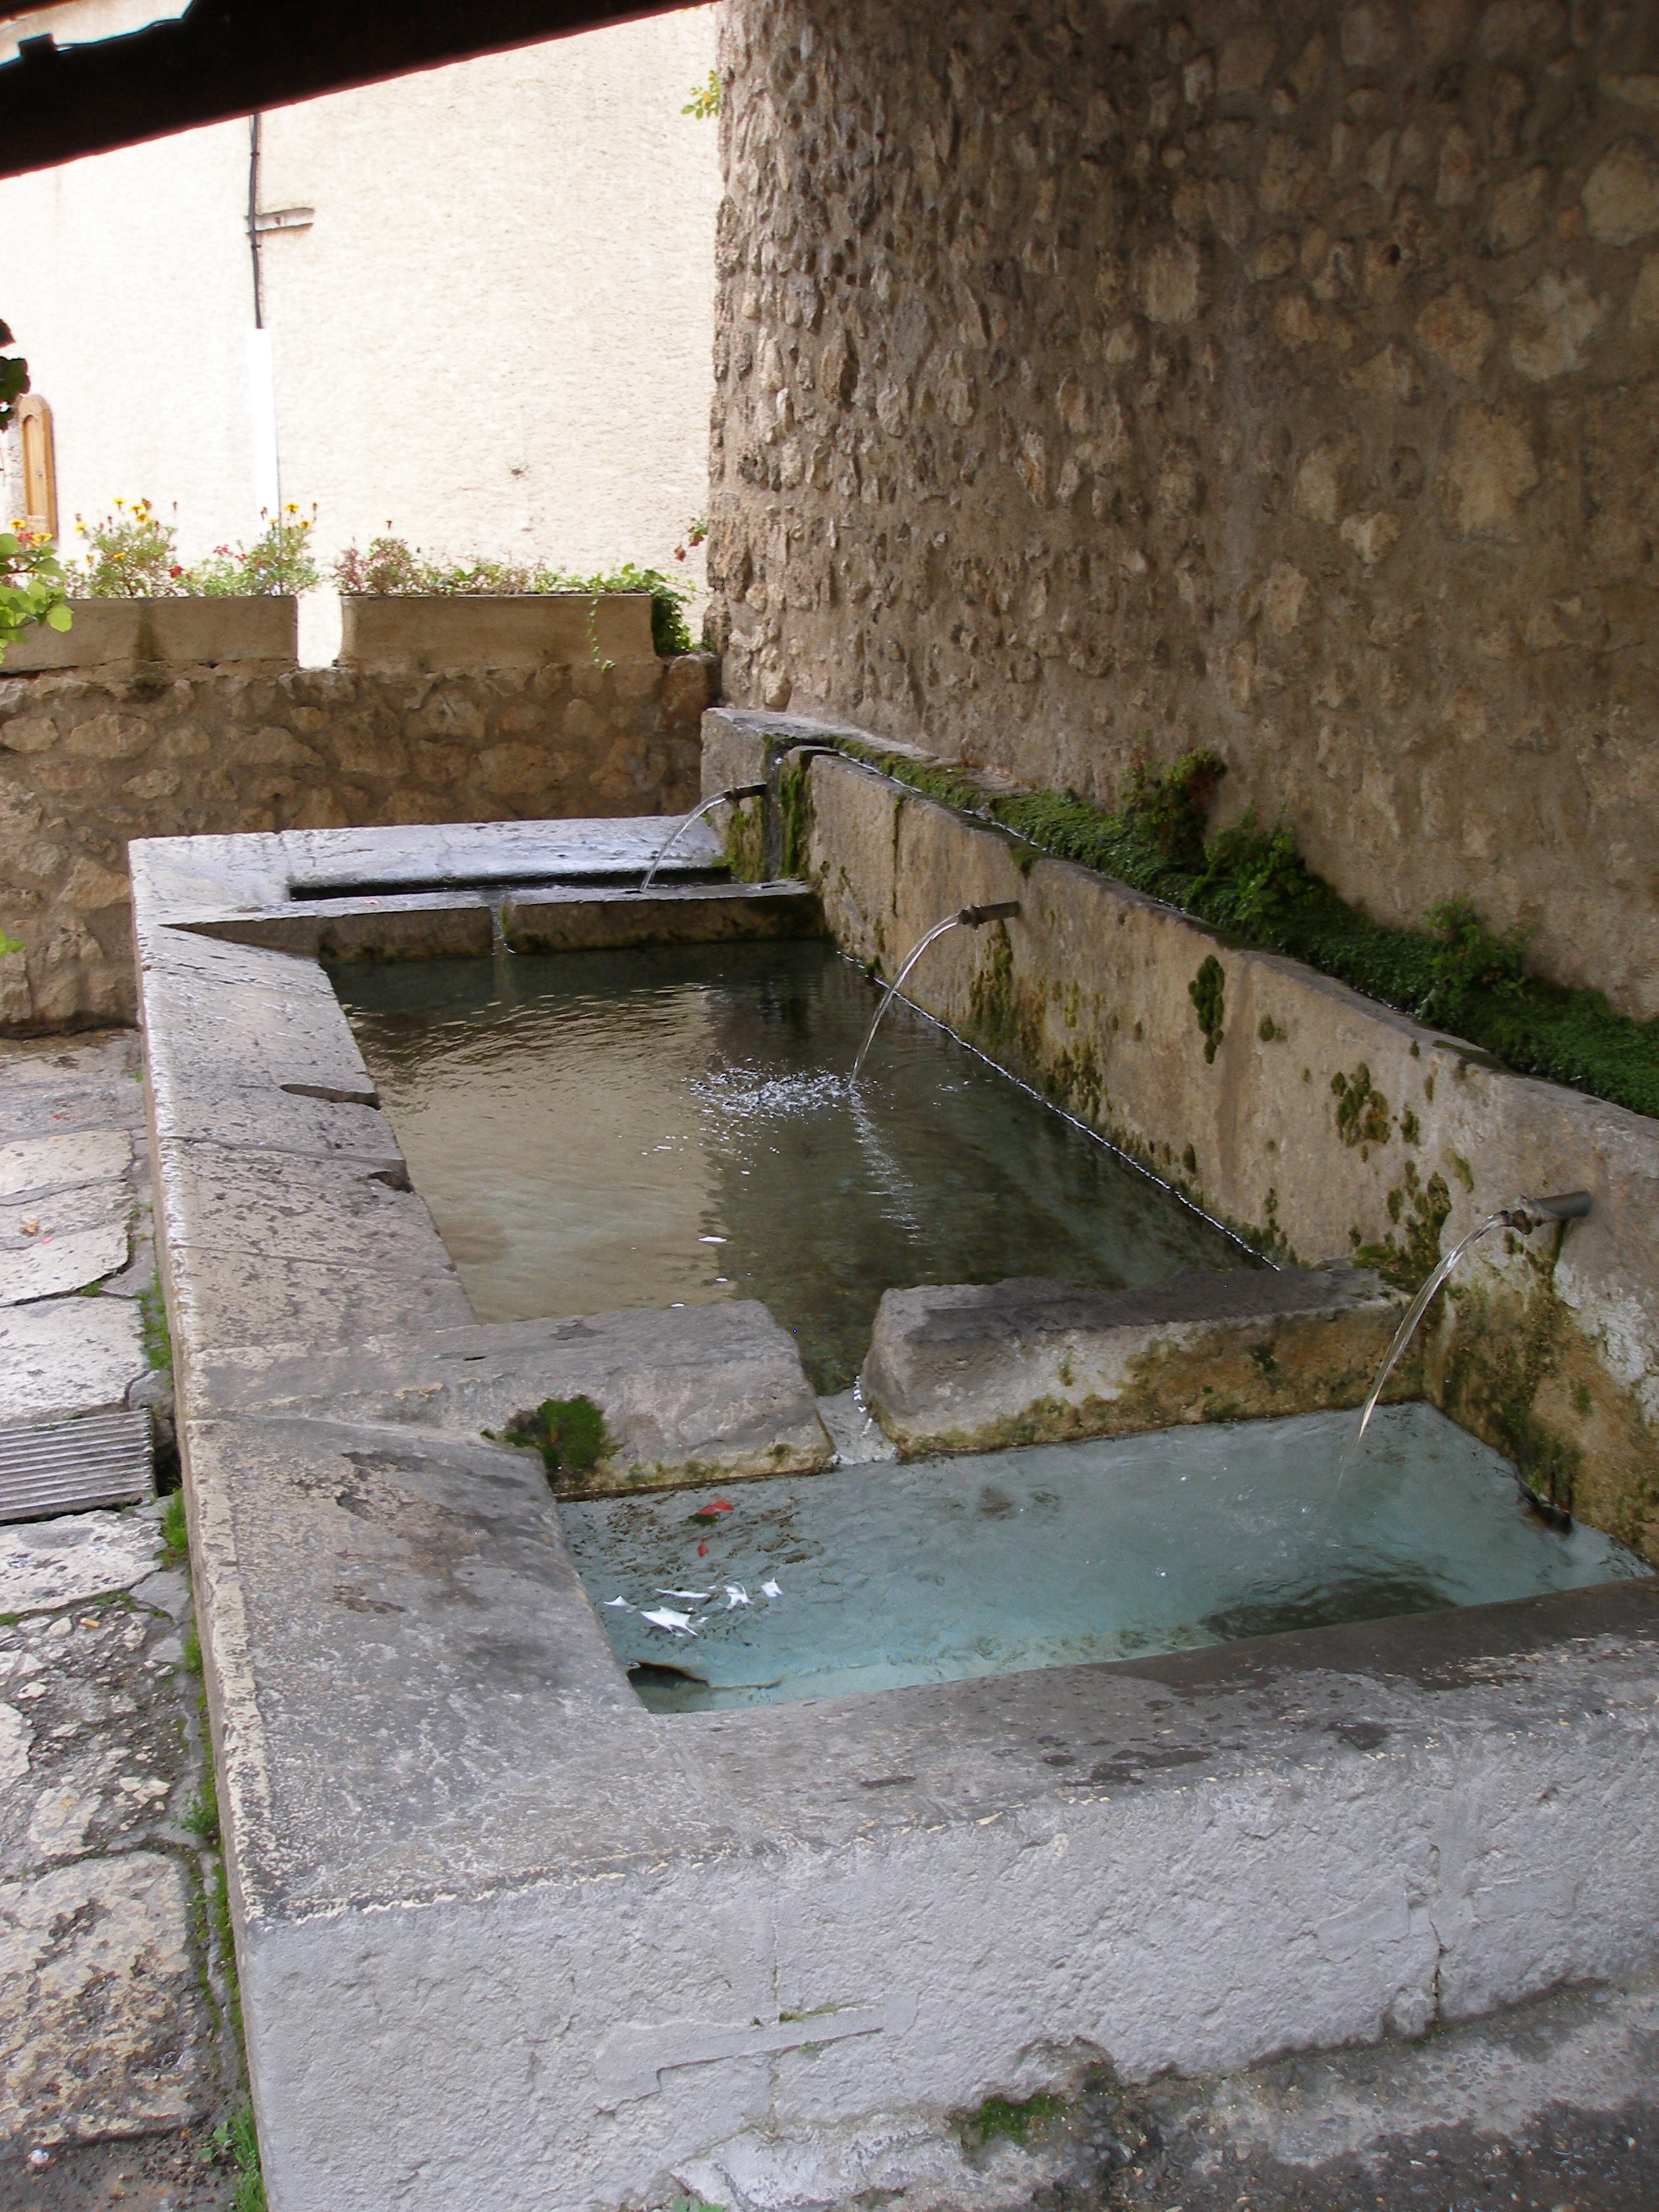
[(431, 926), (703, 1393), (973, 1367), (569, 920)]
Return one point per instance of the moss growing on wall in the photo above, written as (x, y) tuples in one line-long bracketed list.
[(1207, 992), (1251, 885), (1362, 1111), (795, 790), (1420, 1210), (746, 840)]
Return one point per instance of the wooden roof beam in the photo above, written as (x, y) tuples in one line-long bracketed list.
[(229, 58)]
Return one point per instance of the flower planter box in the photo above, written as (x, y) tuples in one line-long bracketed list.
[(414, 634), (205, 632)]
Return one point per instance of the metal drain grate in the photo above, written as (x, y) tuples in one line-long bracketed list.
[(69, 1467)]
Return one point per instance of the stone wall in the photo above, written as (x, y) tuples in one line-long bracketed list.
[(1098, 377), (92, 758)]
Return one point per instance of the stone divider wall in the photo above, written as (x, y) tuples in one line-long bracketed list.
[(92, 758), (1098, 379)]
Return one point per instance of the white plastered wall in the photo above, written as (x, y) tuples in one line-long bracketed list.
[(496, 334)]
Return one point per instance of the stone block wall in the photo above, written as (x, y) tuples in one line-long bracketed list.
[(1105, 376), (92, 758)]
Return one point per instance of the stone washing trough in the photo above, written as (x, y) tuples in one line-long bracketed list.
[(504, 1935)]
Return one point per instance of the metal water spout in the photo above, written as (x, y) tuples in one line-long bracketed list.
[(1521, 1214), (708, 806), (968, 917)]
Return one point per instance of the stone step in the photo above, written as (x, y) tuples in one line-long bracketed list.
[(569, 918)]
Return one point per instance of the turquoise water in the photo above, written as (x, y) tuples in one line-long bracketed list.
[(889, 1574), (597, 1130)]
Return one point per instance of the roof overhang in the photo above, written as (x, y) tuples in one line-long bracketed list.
[(227, 58)]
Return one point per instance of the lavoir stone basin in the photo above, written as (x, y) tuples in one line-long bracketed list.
[(508, 1936)]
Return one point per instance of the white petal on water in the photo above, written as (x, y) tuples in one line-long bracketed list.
[(676, 1623), (621, 1601), (736, 1595), (711, 1240), (771, 1590), (691, 1597)]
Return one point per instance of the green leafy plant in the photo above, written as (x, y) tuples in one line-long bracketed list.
[(10, 944), (1468, 960), (705, 99), (236, 2139), (31, 586), (134, 554), (201, 1813), (389, 568), (175, 1533), (1166, 807)]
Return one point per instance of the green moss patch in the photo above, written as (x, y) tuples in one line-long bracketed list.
[(1209, 1004), (569, 1433), (1018, 2123), (1252, 885)]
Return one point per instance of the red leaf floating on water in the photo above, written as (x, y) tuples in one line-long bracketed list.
[(702, 1549), (720, 1506)]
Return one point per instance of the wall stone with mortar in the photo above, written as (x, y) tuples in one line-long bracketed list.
[(1098, 377), (92, 758)]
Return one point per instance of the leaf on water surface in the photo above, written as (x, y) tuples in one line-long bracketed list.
[(676, 1623)]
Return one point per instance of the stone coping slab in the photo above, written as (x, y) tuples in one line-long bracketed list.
[(970, 1367), (46, 1564), (506, 1937), (572, 920)]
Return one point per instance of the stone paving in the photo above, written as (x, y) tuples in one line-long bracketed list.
[(116, 2060)]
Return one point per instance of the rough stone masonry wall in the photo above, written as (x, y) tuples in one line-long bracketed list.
[(89, 760), (1094, 376)]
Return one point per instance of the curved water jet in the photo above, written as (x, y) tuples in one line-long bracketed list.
[(705, 806), (1524, 1214), (968, 917)]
